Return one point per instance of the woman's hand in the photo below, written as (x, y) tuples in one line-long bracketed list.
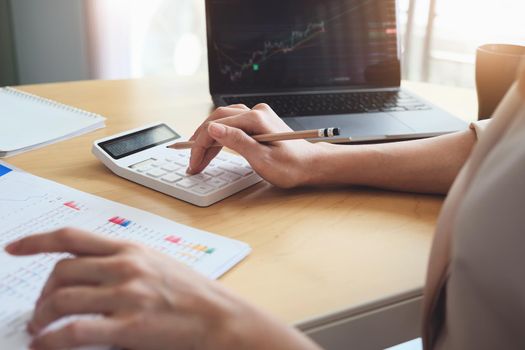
[(146, 300), (284, 163), (426, 165)]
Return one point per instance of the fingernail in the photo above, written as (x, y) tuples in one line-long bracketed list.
[(217, 130), (189, 170), (11, 247)]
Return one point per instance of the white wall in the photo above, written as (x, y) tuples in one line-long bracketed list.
[(50, 40)]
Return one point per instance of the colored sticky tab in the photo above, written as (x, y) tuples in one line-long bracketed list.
[(126, 223), (210, 251), (4, 170), (113, 219)]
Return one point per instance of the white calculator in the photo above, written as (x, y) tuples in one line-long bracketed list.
[(141, 155)]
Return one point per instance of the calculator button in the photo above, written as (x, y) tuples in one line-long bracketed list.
[(181, 162), (239, 170), (230, 177), (143, 169), (222, 157), (156, 173), (170, 167), (185, 155), (214, 172), (242, 171), (170, 159), (182, 172), (187, 183), (200, 177), (203, 189), (158, 164), (171, 178), (237, 162), (217, 183)]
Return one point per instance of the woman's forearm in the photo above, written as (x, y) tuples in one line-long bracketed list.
[(426, 165)]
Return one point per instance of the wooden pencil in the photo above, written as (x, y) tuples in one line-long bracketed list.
[(282, 136)]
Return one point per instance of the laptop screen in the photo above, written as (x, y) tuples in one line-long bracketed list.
[(287, 45)]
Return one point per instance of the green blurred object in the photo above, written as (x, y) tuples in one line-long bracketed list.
[(8, 71)]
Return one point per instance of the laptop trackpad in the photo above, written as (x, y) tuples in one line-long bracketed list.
[(354, 125)]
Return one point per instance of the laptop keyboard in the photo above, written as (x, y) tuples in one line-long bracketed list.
[(334, 103)]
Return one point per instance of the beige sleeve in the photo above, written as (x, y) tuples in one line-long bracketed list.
[(479, 127)]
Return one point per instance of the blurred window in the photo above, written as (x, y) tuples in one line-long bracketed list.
[(135, 38)]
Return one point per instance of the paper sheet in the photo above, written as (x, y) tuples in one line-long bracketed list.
[(29, 204)]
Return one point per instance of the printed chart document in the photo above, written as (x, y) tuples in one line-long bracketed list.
[(29, 204)]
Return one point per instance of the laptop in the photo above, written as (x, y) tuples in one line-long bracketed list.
[(318, 64)]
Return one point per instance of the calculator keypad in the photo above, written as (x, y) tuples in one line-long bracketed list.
[(223, 171)]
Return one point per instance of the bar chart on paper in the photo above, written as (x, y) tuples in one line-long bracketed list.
[(29, 204)]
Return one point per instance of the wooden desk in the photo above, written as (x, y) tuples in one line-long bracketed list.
[(340, 252)]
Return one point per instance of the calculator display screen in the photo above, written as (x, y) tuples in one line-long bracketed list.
[(127, 145)]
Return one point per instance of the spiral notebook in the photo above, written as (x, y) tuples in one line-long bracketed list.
[(28, 121)]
